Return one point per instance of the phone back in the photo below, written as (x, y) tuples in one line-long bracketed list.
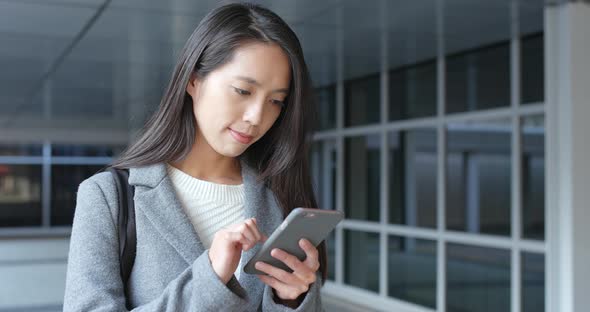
[(311, 224)]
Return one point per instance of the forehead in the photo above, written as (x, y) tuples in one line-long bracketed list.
[(267, 63)]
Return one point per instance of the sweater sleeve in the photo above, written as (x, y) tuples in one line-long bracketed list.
[(93, 281), (311, 302)]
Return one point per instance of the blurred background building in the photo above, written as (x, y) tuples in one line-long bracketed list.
[(451, 133)]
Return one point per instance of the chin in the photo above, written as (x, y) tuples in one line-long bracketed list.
[(232, 151)]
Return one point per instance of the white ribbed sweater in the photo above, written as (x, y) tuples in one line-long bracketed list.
[(209, 206)]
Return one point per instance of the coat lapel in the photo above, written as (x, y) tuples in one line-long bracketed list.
[(156, 198), (260, 204)]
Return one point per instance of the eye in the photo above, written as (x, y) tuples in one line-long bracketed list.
[(241, 92), (279, 103)]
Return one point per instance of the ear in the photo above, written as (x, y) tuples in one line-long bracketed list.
[(192, 87)]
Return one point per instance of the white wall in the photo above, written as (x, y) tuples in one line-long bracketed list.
[(32, 272)]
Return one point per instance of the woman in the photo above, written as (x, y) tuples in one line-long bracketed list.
[(217, 167)]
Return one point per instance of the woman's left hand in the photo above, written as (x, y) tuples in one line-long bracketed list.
[(289, 286)]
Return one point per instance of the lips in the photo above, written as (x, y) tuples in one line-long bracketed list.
[(241, 137)]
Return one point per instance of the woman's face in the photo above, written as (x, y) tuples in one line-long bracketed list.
[(236, 104)]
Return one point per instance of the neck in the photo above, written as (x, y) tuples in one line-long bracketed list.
[(204, 163)]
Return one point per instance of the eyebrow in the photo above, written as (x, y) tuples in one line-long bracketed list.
[(254, 82)]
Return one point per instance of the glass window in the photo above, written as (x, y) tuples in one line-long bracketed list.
[(479, 177), (532, 73), (412, 177), (362, 177), (412, 270), (533, 177), (65, 180), (533, 282), (331, 253), (20, 149), (478, 79), (326, 97), (362, 101), (361, 263), (478, 279), (412, 91), (323, 163), (80, 150), (20, 195)]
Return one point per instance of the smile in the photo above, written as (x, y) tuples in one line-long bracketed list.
[(242, 138)]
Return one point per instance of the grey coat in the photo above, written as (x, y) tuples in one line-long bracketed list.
[(172, 271)]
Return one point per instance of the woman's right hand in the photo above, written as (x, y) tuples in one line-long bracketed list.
[(228, 243)]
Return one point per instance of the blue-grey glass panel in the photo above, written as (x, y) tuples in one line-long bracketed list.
[(86, 150), (478, 79), (65, 180), (362, 177), (412, 270), (532, 71), (412, 177), (412, 91), (362, 101), (326, 97), (323, 167), (478, 178), (20, 195), (361, 261), (21, 149), (478, 279), (533, 282), (331, 253), (533, 177)]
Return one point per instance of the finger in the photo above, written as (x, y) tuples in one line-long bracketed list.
[(311, 252), (251, 223), (237, 237), (302, 271), (287, 292), (290, 260), (244, 229), (279, 274)]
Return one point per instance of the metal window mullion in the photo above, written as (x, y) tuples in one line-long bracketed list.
[(46, 186), (80, 160), (426, 122), (21, 160), (384, 177), (459, 237), (515, 206), (339, 272), (441, 161)]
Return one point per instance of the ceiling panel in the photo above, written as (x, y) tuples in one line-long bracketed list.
[(128, 53)]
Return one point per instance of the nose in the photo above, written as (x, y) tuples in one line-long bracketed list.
[(254, 112)]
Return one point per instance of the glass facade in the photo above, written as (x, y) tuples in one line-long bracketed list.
[(33, 197), (20, 195), (435, 185), (412, 177), (478, 279), (412, 270)]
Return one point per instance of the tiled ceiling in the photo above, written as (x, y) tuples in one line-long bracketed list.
[(86, 52)]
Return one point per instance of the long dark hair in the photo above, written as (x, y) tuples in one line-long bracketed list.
[(281, 155)]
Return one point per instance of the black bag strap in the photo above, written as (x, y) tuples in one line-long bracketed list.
[(126, 223)]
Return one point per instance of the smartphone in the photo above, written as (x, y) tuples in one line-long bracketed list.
[(309, 223)]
